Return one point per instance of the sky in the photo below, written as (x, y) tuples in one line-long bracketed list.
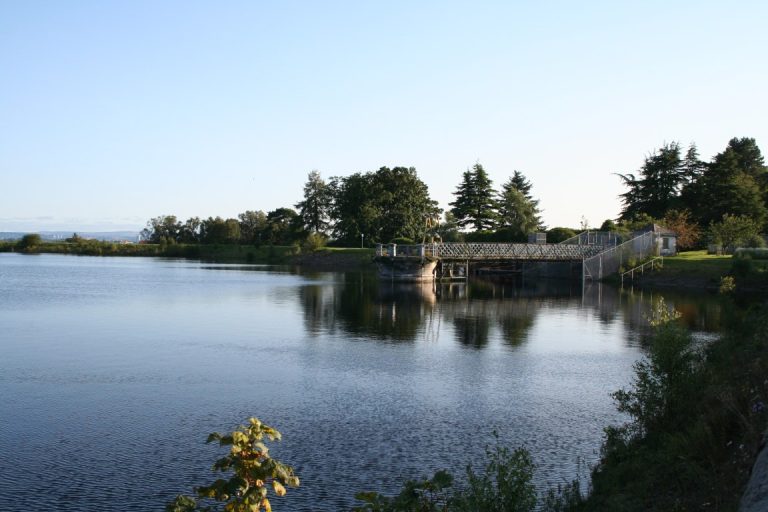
[(115, 112)]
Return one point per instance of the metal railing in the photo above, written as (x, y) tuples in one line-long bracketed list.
[(598, 260), (602, 238), (658, 261), (490, 251), (610, 261)]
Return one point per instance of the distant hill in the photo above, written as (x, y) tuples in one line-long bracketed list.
[(108, 236)]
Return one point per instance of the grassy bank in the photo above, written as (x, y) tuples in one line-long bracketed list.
[(86, 248), (699, 270), (328, 257), (697, 264)]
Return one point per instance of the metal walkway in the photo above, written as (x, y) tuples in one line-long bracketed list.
[(490, 251), (600, 253)]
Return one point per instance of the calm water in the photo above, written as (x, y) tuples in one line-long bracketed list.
[(114, 370)]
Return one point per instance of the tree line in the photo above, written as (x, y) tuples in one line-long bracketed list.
[(722, 201), (382, 206)]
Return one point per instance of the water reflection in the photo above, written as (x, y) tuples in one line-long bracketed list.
[(390, 377), (362, 306)]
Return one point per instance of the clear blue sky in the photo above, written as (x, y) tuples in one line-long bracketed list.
[(112, 112)]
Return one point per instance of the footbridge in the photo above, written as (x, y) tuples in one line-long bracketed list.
[(595, 254)]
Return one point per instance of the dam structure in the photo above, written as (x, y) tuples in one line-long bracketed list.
[(591, 255)]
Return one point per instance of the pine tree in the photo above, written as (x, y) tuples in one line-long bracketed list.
[(691, 168), (518, 211), (657, 188), (315, 207), (519, 181), (733, 183), (475, 204)]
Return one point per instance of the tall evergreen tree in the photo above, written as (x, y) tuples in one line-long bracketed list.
[(517, 214), (315, 207), (475, 204), (656, 189), (518, 211), (733, 183), (521, 183), (691, 167)]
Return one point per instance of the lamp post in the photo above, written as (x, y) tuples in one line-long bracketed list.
[(362, 238)]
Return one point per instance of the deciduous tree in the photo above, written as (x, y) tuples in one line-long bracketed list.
[(220, 231), (253, 224), (189, 232), (734, 231), (381, 206), (283, 226), (687, 231), (162, 229)]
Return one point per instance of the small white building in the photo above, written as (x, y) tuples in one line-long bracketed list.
[(667, 239)]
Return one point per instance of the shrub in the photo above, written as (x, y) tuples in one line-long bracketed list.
[(698, 418), (727, 285), (254, 472), (742, 265), (557, 235), (734, 231), (313, 242), (426, 495), (483, 236), (504, 485), (402, 241), (29, 242), (755, 254), (660, 380)]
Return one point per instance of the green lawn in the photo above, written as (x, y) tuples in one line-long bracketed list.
[(696, 263)]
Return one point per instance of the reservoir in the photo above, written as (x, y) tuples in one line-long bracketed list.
[(114, 370)]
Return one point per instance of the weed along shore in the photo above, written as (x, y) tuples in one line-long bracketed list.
[(327, 258)]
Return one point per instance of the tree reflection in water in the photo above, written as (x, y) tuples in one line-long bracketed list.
[(361, 306)]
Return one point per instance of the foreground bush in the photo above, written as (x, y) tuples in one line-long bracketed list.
[(505, 484), (254, 472), (697, 418), (754, 253)]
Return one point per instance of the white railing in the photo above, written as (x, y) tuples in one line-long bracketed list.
[(610, 261), (490, 251), (598, 260), (602, 238), (659, 262)]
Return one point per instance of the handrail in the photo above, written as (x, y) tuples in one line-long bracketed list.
[(594, 237), (642, 245), (631, 241), (641, 268), (490, 250)]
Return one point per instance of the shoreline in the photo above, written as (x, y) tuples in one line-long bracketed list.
[(693, 272), (330, 258)]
